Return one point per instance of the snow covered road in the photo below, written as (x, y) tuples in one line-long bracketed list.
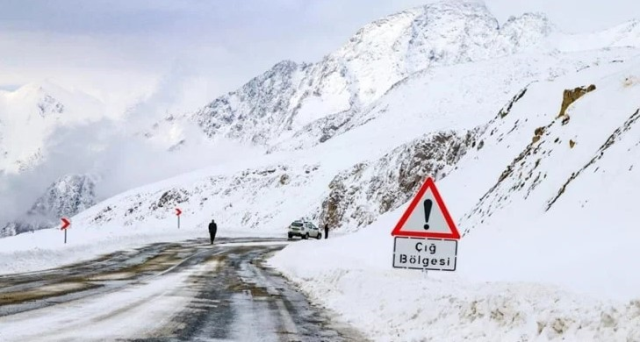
[(188, 291)]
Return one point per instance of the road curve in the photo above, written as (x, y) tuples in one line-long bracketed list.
[(188, 291)]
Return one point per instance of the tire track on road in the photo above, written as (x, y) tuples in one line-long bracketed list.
[(190, 291)]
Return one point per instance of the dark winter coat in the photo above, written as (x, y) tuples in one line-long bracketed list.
[(213, 227)]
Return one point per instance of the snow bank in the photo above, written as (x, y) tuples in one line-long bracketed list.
[(354, 277)]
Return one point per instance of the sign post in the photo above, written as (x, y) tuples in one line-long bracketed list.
[(426, 237), (178, 212), (65, 226)]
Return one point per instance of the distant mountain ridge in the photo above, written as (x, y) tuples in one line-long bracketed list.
[(66, 197)]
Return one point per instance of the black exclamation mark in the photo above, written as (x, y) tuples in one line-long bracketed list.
[(427, 211)]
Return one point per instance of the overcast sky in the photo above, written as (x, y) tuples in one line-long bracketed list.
[(120, 48)]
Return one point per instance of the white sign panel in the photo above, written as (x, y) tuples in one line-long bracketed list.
[(425, 254), (427, 217)]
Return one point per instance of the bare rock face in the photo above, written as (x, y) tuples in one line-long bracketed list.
[(171, 199), (572, 95), (359, 195)]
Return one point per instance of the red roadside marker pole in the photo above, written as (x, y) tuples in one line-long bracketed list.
[(65, 226), (178, 212)]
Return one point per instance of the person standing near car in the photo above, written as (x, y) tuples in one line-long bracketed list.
[(326, 231), (213, 228)]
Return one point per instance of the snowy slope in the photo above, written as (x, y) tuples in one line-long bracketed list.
[(386, 68), (573, 183), (623, 35), (545, 204), (266, 193), (437, 98)]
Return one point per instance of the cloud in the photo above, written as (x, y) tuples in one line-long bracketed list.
[(114, 150)]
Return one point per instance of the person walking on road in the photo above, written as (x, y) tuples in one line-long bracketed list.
[(326, 231), (213, 228)]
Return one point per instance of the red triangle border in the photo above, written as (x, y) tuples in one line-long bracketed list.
[(429, 184)]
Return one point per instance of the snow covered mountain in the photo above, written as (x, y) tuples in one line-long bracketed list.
[(293, 106), (442, 70), (290, 96), (66, 197), (372, 168), (32, 114), (339, 130)]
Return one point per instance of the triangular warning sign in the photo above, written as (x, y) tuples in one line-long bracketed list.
[(427, 216)]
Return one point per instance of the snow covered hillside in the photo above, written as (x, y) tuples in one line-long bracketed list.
[(372, 159), (545, 204), (367, 170), (447, 66)]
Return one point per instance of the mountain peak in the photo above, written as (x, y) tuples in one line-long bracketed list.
[(386, 30), (291, 100), (41, 88), (287, 97), (536, 21)]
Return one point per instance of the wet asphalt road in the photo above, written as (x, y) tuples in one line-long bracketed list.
[(188, 291)]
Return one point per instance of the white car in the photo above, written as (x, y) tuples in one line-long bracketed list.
[(304, 229)]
